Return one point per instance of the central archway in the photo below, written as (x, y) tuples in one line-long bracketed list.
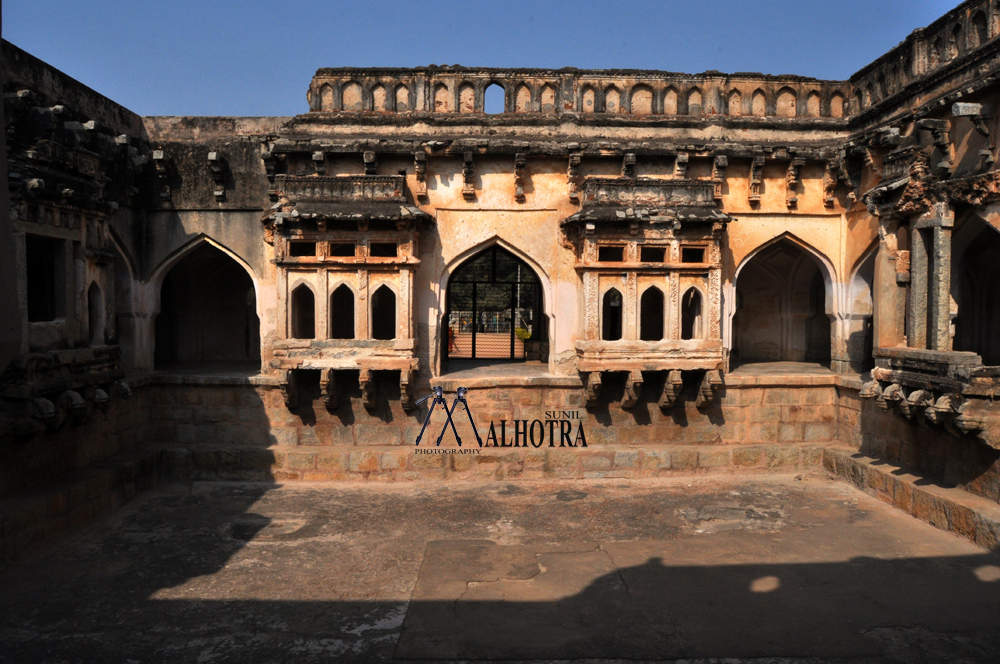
[(494, 309)]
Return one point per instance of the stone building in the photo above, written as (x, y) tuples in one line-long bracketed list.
[(709, 273)]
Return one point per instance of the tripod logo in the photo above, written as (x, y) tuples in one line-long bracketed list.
[(437, 393)]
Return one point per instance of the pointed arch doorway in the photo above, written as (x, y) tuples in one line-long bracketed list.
[(494, 309)]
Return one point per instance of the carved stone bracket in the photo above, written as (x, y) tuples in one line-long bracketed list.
[(916, 403), (573, 177), (45, 412), (890, 396), (319, 162), (217, 168), (633, 389), (469, 177), (368, 395), (406, 391), (289, 388), (941, 131), (420, 170), (830, 178), (371, 166), (72, 403), (628, 165), (719, 175), (671, 390), (328, 388), (520, 161), (592, 388), (681, 165), (756, 178), (792, 180), (710, 385)]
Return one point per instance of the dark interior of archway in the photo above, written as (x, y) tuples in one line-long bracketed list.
[(611, 315), (207, 312), (651, 315), (977, 326), (780, 309), (384, 314), (495, 310), (342, 313)]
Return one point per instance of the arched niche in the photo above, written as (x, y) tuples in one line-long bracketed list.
[(692, 320), (781, 307), (207, 312), (96, 313), (975, 275), (302, 313), (861, 334)]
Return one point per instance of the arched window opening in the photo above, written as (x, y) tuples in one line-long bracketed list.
[(977, 325), (494, 99), (956, 44), (342, 313), (208, 312), (384, 313), (95, 314), (691, 314), (303, 314), (611, 316), (494, 309), (935, 55), (651, 315), (781, 313)]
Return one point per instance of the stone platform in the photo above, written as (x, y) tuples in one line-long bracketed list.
[(795, 567)]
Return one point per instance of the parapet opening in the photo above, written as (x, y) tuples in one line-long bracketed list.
[(494, 99)]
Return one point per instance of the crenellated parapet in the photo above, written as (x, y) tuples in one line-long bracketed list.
[(559, 91)]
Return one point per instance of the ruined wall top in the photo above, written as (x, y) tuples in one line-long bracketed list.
[(458, 89), (928, 55)]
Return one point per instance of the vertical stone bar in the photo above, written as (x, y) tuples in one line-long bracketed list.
[(916, 323), (939, 286)]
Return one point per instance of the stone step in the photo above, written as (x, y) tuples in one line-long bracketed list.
[(949, 508), (32, 521), (389, 463)]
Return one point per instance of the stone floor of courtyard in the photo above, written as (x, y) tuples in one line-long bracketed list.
[(777, 568)]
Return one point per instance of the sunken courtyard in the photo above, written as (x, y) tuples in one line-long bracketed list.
[(645, 366)]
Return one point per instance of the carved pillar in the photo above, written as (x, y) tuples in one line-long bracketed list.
[(591, 294), (916, 321), (939, 286)]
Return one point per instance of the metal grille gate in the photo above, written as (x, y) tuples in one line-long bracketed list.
[(494, 308)]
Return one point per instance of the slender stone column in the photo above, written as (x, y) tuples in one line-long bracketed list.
[(939, 286), (916, 321)]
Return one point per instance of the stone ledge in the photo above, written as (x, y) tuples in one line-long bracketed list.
[(486, 382), (385, 463), (947, 508), (210, 379)]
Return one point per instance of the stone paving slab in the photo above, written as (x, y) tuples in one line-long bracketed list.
[(783, 568)]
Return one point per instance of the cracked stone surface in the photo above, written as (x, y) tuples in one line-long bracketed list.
[(776, 569)]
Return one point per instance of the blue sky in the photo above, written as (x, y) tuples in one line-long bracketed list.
[(256, 58)]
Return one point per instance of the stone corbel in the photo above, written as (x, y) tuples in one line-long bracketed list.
[(319, 162), (681, 165), (98, 397), (592, 388), (120, 388), (671, 390), (709, 387), (830, 178), (870, 390), (217, 168), (942, 409), (890, 396), (719, 175), (289, 388), (916, 403), (941, 131), (45, 412), (981, 418), (328, 389), (371, 167), (469, 177), (520, 161), (628, 166), (406, 390), (420, 170), (368, 396), (756, 178), (71, 402), (572, 178), (633, 389), (792, 180), (162, 165)]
